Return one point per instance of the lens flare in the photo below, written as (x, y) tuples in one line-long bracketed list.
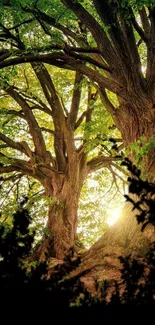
[(114, 215)]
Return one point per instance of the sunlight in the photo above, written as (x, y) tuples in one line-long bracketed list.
[(114, 214)]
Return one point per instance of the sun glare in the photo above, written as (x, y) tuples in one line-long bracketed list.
[(114, 214)]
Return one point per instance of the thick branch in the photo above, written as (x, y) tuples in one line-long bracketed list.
[(96, 30), (71, 51), (13, 177), (88, 49), (80, 120), (106, 102), (88, 113), (37, 102), (75, 100), (145, 22), (57, 112), (41, 16), (151, 53), (17, 165), (39, 70), (138, 29), (33, 125), (8, 169), (47, 130), (49, 90), (12, 144), (57, 57), (90, 103), (5, 54), (122, 170), (16, 113), (11, 36), (100, 162), (122, 38), (88, 59), (108, 13), (95, 76), (27, 21), (127, 29), (63, 61)]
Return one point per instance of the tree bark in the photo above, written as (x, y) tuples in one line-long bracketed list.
[(63, 190), (101, 262), (135, 118)]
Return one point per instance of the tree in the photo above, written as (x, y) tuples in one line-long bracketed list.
[(35, 105), (62, 170), (106, 43)]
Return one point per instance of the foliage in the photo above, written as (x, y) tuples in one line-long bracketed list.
[(145, 192), (140, 149)]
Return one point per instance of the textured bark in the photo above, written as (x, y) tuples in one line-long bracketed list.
[(101, 262), (135, 119), (64, 191)]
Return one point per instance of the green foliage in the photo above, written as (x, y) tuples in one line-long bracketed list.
[(95, 132), (138, 4), (141, 148), (37, 203)]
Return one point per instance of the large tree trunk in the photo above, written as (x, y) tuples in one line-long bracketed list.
[(63, 190), (62, 222), (135, 118)]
